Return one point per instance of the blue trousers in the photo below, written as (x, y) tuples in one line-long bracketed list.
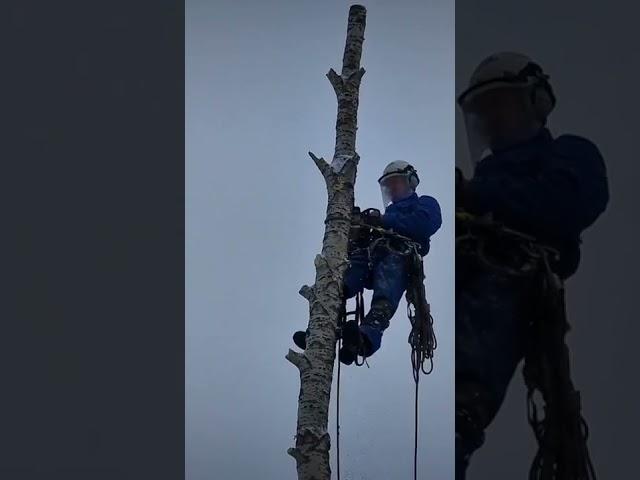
[(387, 277), (493, 311)]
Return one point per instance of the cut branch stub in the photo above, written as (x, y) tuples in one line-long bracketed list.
[(295, 453), (312, 454), (300, 360), (324, 268), (322, 165), (339, 85), (307, 292), (336, 82)]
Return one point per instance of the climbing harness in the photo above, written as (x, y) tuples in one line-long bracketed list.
[(421, 338), (562, 432)]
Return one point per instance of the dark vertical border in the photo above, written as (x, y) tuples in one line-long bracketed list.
[(92, 342)]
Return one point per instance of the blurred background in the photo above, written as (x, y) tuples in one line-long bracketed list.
[(589, 50)]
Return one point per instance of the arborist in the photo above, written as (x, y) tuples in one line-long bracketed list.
[(377, 265), (527, 180)]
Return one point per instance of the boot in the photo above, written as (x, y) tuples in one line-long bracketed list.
[(354, 343), (300, 339), (375, 323)]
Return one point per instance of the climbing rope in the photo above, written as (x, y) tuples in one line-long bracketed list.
[(422, 337), (358, 314), (562, 433), (338, 412)]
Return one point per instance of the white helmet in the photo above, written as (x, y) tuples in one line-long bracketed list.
[(397, 169), (499, 71)]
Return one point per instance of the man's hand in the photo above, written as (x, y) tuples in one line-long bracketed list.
[(372, 217)]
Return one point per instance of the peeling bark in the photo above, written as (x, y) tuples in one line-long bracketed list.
[(315, 365)]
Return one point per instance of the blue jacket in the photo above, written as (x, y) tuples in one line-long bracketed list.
[(550, 188), (415, 217)]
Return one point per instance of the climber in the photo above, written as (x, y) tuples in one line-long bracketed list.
[(407, 214), (524, 178)]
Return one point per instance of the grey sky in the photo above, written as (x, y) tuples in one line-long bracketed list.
[(257, 100), (589, 50)]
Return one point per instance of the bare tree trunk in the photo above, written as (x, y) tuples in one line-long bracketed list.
[(325, 296)]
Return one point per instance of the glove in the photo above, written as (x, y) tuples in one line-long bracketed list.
[(372, 217)]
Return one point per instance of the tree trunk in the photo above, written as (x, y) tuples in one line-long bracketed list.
[(315, 365)]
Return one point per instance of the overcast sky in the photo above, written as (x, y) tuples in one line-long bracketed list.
[(256, 101)]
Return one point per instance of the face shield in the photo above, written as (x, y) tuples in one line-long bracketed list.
[(394, 187), (478, 141), (497, 118)]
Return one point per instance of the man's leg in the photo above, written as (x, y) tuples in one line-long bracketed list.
[(492, 312), (356, 276), (474, 412), (389, 283)]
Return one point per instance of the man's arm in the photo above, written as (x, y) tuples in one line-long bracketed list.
[(418, 224), (567, 197)]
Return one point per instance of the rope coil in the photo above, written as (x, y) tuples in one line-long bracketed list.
[(422, 337), (562, 432)]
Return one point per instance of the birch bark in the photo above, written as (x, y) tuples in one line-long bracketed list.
[(315, 365)]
